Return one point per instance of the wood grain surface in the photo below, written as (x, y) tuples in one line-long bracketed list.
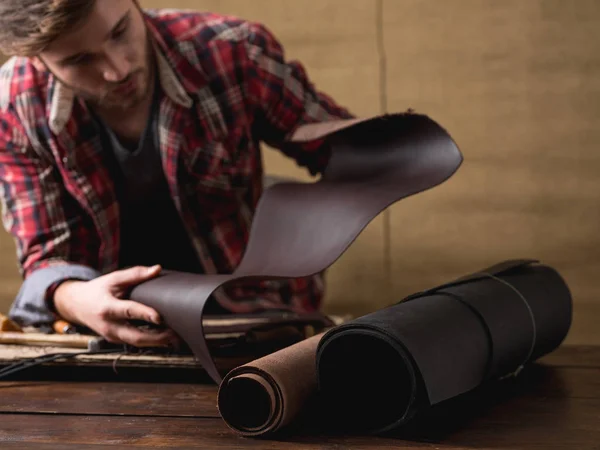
[(581, 356), (119, 399), (534, 425), (553, 404)]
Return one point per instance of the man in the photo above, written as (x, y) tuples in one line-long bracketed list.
[(129, 143)]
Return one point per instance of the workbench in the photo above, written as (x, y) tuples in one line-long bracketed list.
[(552, 404)]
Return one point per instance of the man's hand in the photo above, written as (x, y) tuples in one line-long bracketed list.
[(99, 305)]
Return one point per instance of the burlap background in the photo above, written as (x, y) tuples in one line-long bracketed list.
[(515, 82)]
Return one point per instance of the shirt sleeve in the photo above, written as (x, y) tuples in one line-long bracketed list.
[(282, 97), (33, 304), (45, 222)]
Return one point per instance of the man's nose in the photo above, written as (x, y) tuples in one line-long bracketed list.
[(116, 68)]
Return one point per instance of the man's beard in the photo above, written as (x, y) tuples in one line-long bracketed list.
[(111, 100)]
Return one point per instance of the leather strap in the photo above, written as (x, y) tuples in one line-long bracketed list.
[(492, 271), (300, 229)]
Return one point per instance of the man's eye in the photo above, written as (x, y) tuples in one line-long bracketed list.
[(118, 34), (83, 59)]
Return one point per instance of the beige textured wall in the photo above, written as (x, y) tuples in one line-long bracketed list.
[(515, 83)]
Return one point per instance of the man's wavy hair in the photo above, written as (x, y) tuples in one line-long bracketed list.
[(27, 27)]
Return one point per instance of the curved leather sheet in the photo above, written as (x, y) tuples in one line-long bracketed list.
[(300, 229)]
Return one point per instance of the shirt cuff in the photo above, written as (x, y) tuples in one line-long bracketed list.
[(32, 307)]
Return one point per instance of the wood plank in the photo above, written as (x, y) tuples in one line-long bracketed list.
[(155, 432), (574, 356), (584, 330), (199, 400), (96, 398), (546, 381), (521, 423), (546, 407), (63, 446)]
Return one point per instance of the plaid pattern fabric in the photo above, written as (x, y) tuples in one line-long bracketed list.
[(228, 88)]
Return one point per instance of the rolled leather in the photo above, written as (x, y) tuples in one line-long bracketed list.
[(264, 396), (379, 371), (299, 229)]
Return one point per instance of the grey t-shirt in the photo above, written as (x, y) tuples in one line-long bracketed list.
[(151, 229)]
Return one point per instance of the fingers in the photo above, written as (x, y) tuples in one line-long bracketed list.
[(125, 333), (130, 310), (133, 275)]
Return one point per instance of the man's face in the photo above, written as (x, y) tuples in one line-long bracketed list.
[(106, 59)]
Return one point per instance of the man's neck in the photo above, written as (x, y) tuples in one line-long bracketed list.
[(129, 124)]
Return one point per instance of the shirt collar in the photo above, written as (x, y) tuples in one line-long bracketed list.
[(62, 97)]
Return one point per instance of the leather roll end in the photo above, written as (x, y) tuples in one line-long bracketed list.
[(249, 404)]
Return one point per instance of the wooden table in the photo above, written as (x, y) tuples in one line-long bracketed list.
[(552, 404)]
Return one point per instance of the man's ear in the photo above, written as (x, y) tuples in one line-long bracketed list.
[(38, 64)]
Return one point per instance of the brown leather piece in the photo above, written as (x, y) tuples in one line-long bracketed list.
[(300, 229), (266, 395)]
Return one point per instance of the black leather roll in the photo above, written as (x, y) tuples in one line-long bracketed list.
[(379, 371)]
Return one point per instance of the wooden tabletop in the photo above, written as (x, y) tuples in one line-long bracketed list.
[(553, 404)]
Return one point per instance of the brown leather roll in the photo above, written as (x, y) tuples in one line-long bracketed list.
[(265, 395), (300, 229)]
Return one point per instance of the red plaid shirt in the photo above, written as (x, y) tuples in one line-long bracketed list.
[(228, 88)]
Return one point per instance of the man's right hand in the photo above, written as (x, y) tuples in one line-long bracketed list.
[(99, 304)]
